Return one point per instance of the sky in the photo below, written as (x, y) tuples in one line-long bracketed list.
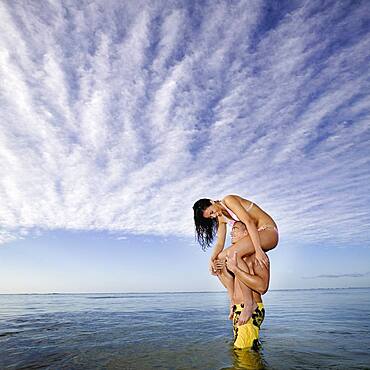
[(116, 116)]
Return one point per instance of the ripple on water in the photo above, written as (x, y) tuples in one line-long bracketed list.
[(181, 331)]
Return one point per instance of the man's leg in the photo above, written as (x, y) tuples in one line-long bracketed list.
[(246, 336)]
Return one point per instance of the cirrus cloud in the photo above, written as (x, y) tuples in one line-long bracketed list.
[(118, 116)]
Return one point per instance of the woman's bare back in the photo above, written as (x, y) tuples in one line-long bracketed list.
[(258, 215)]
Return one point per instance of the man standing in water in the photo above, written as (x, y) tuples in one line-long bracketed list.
[(231, 272)]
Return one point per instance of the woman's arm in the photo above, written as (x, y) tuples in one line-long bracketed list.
[(221, 237), (234, 204)]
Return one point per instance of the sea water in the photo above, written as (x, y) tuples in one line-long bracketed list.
[(303, 329)]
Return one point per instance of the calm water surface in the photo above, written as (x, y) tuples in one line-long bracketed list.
[(303, 329)]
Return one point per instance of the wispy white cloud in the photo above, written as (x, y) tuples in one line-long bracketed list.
[(335, 276), (118, 116)]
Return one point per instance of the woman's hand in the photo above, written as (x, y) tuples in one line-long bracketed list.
[(222, 219), (212, 268), (232, 263), (262, 259), (219, 264), (216, 266)]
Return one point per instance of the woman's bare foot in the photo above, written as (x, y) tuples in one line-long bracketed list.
[(246, 314)]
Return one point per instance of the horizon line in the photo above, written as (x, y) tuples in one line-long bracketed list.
[(179, 292)]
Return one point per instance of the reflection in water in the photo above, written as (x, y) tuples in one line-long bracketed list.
[(246, 359)]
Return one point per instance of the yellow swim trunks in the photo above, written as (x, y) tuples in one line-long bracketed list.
[(246, 336)]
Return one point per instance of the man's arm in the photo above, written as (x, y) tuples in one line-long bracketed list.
[(258, 282)]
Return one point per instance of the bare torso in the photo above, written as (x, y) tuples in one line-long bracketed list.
[(253, 269), (258, 215)]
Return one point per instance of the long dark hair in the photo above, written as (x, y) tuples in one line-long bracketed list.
[(205, 228)]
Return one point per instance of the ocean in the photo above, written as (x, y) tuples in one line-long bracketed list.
[(303, 329)]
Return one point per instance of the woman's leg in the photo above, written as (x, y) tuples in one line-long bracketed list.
[(249, 303), (268, 237), (228, 281)]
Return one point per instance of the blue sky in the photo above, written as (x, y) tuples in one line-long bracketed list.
[(117, 116)]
